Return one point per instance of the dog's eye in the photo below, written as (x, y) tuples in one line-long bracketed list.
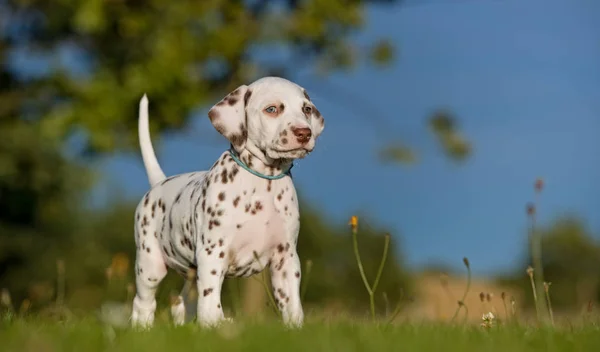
[(271, 110), (307, 110)]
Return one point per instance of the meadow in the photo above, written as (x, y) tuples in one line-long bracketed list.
[(461, 328), (316, 335)]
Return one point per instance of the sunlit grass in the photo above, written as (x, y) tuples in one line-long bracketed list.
[(338, 335)]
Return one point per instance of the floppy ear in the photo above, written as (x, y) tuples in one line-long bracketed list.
[(228, 117), (317, 122)]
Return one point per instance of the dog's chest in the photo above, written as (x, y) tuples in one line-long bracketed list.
[(252, 217), (235, 216), (266, 218)]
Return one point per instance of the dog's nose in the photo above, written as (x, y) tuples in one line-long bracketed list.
[(303, 134)]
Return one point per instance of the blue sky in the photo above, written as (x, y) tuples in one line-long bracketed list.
[(523, 76)]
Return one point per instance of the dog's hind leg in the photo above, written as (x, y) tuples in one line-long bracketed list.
[(150, 270)]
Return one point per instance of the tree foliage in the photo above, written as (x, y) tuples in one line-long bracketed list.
[(98, 57)]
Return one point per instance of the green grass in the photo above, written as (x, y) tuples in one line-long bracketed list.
[(36, 335)]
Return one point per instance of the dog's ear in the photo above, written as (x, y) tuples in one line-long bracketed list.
[(228, 117), (317, 122)]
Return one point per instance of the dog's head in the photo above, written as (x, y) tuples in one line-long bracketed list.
[(271, 115)]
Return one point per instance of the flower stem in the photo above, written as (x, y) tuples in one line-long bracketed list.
[(370, 290), (461, 303)]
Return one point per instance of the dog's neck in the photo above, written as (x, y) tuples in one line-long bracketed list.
[(258, 161)]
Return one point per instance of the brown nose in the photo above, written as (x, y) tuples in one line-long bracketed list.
[(303, 134)]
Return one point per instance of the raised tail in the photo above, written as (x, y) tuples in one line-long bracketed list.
[(153, 170)]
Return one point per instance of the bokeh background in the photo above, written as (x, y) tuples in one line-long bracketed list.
[(441, 117)]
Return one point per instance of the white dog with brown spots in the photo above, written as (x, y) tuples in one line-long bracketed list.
[(236, 218)]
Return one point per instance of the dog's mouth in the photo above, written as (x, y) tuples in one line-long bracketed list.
[(296, 153)]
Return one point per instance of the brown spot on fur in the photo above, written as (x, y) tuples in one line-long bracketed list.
[(213, 114), (238, 139), (306, 95), (222, 196), (247, 96), (207, 292), (231, 101), (224, 176)]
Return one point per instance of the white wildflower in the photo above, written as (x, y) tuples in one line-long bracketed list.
[(488, 320)]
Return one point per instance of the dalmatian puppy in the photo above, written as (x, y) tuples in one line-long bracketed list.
[(239, 216)]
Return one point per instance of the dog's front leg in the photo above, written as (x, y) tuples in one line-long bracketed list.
[(285, 277), (209, 280)]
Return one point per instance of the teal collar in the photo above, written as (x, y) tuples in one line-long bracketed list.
[(256, 173)]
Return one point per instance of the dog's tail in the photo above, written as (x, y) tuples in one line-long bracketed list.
[(153, 170)]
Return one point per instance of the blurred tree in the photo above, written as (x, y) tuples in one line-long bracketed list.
[(571, 262), (40, 192), (444, 126)]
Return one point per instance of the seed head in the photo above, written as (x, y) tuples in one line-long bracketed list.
[(503, 295), (466, 262), (482, 296), (5, 299), (547, 286), (530, 209), (530, 271), (539, 184), (489, 296)]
